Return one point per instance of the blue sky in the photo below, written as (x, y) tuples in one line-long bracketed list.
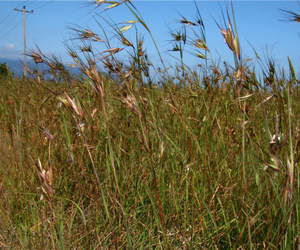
[(257, 21)]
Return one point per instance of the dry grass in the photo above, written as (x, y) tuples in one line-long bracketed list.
[(119, 160)]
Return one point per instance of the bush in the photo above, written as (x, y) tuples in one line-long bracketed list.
[(3, 69)]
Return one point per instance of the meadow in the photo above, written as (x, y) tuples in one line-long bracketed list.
[(118, 159)]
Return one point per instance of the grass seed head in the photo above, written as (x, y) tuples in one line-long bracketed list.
[(231, 41), (46, 179), (37, 58), (198, 43), (290, 16)]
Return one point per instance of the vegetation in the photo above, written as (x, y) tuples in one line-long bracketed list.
[(203, 159), (3, 69)]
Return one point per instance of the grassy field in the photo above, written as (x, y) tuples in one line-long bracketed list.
[(203, 159)]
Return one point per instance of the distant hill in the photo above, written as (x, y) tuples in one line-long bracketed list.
[(16, 66)]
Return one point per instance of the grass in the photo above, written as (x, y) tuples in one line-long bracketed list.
[(117, 160)]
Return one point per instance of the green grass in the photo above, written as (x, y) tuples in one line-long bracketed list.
[(179, 164)]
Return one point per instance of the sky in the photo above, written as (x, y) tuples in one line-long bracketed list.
[(259, 25)]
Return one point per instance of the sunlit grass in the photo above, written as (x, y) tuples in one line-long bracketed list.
[(122, 160)]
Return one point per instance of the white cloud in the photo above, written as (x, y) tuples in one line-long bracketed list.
[(9, 47), (10, 51)]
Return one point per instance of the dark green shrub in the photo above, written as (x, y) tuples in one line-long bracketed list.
[(3, 69)]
